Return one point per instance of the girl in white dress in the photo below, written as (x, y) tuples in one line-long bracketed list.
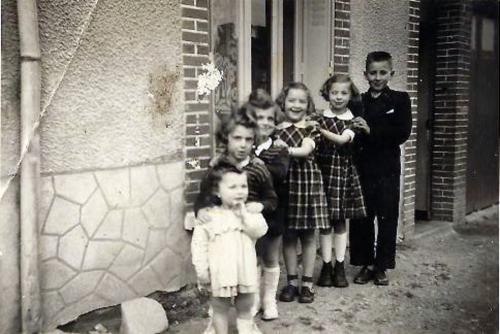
[(223, 249)]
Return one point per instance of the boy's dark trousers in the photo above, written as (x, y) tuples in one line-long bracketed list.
[(382, 201)]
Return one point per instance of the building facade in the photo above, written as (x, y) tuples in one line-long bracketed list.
[(125, 137)]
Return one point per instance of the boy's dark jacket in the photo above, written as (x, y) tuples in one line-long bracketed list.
[(389, 119)]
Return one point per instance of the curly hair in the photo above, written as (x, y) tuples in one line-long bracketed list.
[(260, 99), (280, 100), (230, 122), (336, 78), (210, 186)]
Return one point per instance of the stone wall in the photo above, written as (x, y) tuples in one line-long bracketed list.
[(112, 156), (112, 186), (111, 235)]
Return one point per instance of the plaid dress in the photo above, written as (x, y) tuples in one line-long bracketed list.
[(305, 204), (340, 177)]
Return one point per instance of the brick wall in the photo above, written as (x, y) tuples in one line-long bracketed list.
[(451, 99), (341, 36), (410, 152), (195, 50)]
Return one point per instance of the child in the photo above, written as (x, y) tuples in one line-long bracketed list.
[(223, 249), (237, 135), (266, 112), (305, 204), (387, 124), (340, 177)]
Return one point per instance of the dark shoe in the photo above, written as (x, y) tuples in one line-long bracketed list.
[(364, 276), (380, 278), (306, 295), (325, 277), (339, 280), (289, 293)]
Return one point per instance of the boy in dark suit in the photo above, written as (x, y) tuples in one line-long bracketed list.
[(385, 126)]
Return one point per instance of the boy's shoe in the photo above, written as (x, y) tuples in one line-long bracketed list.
[(289, 293), (380, 277), (338, 276), (306, 295), (325, 276), (364, 276)]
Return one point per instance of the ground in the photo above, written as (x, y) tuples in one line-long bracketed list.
[(446, 281)]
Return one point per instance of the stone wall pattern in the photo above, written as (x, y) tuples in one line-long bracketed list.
[(109, 236)]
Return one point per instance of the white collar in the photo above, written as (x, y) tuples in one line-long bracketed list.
[(346, 116), (243, 163), (264, 146), (302, 124)]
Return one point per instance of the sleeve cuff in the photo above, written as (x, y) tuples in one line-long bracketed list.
[(310, 141), (350, 133)]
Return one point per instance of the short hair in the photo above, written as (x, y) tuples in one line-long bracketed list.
[(212, 179), (378, 56), (230, 122), (280, 100), (260, 99), (341, 78)]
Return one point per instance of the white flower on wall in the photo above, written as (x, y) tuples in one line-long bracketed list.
[(209, 80)]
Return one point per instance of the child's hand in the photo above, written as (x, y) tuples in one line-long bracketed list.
[(360, 124), (280, 143), (239, 209), (254, 207), (204, 216), (311, 123), (258, 161)]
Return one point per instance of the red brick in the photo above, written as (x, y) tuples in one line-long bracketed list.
[(202, 3), (187, 48), (197, 130), (202, 26), (188, 24), (195, 13), (189, 73), (197, 107), (194, 37)]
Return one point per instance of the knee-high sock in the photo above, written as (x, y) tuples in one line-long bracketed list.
[(340, 242), (325, 242)]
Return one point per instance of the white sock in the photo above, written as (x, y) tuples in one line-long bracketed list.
[(325, 242), (340, 242)]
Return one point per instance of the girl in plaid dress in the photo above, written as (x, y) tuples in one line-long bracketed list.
[(340, 177), (305, 205)]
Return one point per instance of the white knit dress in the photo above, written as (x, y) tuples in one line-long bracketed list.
[(223, 251)]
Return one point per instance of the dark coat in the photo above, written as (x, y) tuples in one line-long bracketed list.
[(389, 119)]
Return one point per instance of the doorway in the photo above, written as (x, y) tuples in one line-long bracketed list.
[(482, 145), (269, 43), (426, 70)]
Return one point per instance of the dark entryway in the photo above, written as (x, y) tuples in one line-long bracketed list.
[(426, 62), (482, 146)]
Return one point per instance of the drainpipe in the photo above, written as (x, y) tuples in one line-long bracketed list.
[(30, 165)]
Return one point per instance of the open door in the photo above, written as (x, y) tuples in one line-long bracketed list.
[(314, 45)]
